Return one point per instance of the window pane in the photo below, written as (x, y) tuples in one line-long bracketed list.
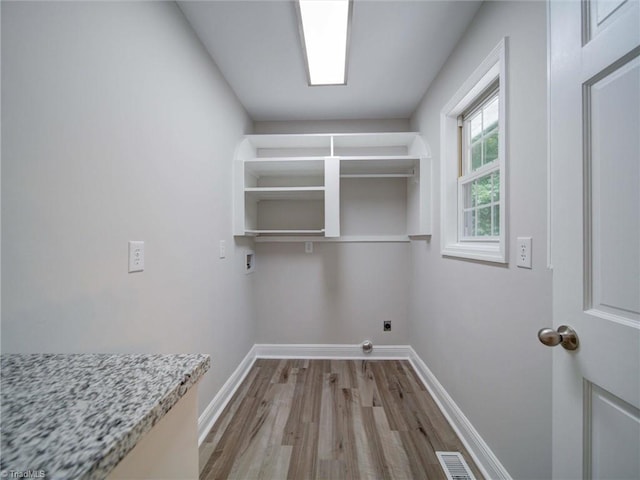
[(480, 209), (490, 112), (491, 147), (475, 125), (469, 195), (470, 223), (484, 222), (483, 190), (482, 135), (496, 186), (476, 156)]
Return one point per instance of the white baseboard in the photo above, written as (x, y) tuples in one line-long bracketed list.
[(224, 395), (346, 351), (484, 458)]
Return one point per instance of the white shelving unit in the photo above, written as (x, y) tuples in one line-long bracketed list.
[(289, 187)]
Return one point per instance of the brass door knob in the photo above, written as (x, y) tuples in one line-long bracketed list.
[(565, 336)]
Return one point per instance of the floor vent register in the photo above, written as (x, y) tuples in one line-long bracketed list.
[(454, 466)]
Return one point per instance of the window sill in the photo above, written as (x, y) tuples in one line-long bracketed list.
[(485, 252)]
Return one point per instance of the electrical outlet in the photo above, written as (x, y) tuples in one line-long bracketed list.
[(249, 262), (223, 249), (523, 259), (386, 326), (308, 247), (136, 256)]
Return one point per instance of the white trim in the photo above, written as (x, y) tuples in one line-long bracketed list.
[(346, 351), (483, 171), (492, 67), (482, 455), (211, 413), (549, 177), (483, 251)]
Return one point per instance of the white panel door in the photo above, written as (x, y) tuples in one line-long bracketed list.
[(595, 236)]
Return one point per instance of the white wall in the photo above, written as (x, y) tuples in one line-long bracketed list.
[(339, 294), (117, 126), (475, 324), (342, 292)]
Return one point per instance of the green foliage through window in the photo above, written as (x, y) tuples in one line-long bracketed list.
[(482, 206)]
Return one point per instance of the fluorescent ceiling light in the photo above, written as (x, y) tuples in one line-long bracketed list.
[(325, 32)]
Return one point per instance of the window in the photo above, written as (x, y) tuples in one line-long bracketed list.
[(473, 165), (479, 181)]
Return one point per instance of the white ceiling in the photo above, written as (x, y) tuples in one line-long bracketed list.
[(396, 49)]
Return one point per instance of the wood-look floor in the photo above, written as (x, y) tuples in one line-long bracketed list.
[(329, 419)]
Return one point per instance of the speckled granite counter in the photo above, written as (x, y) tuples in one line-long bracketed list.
[(77, 416)]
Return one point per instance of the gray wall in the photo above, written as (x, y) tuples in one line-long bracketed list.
[(339, 294), (342, 292), (117, 126), (475, 324)]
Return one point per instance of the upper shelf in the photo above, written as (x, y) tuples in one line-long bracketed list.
[(322, 145)]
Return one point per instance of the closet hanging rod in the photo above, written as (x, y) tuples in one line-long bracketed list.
[(377, 175)]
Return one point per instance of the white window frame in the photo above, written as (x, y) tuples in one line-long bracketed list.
[(493, 249)]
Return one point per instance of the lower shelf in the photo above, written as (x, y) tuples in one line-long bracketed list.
[(345, 239), (285, 232)]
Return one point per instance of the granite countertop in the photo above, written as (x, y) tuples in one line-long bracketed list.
[(77, 415)]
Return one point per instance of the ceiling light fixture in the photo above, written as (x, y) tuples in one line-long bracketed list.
[(324, 31)]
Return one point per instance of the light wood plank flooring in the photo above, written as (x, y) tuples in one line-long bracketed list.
[(329, 419)]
